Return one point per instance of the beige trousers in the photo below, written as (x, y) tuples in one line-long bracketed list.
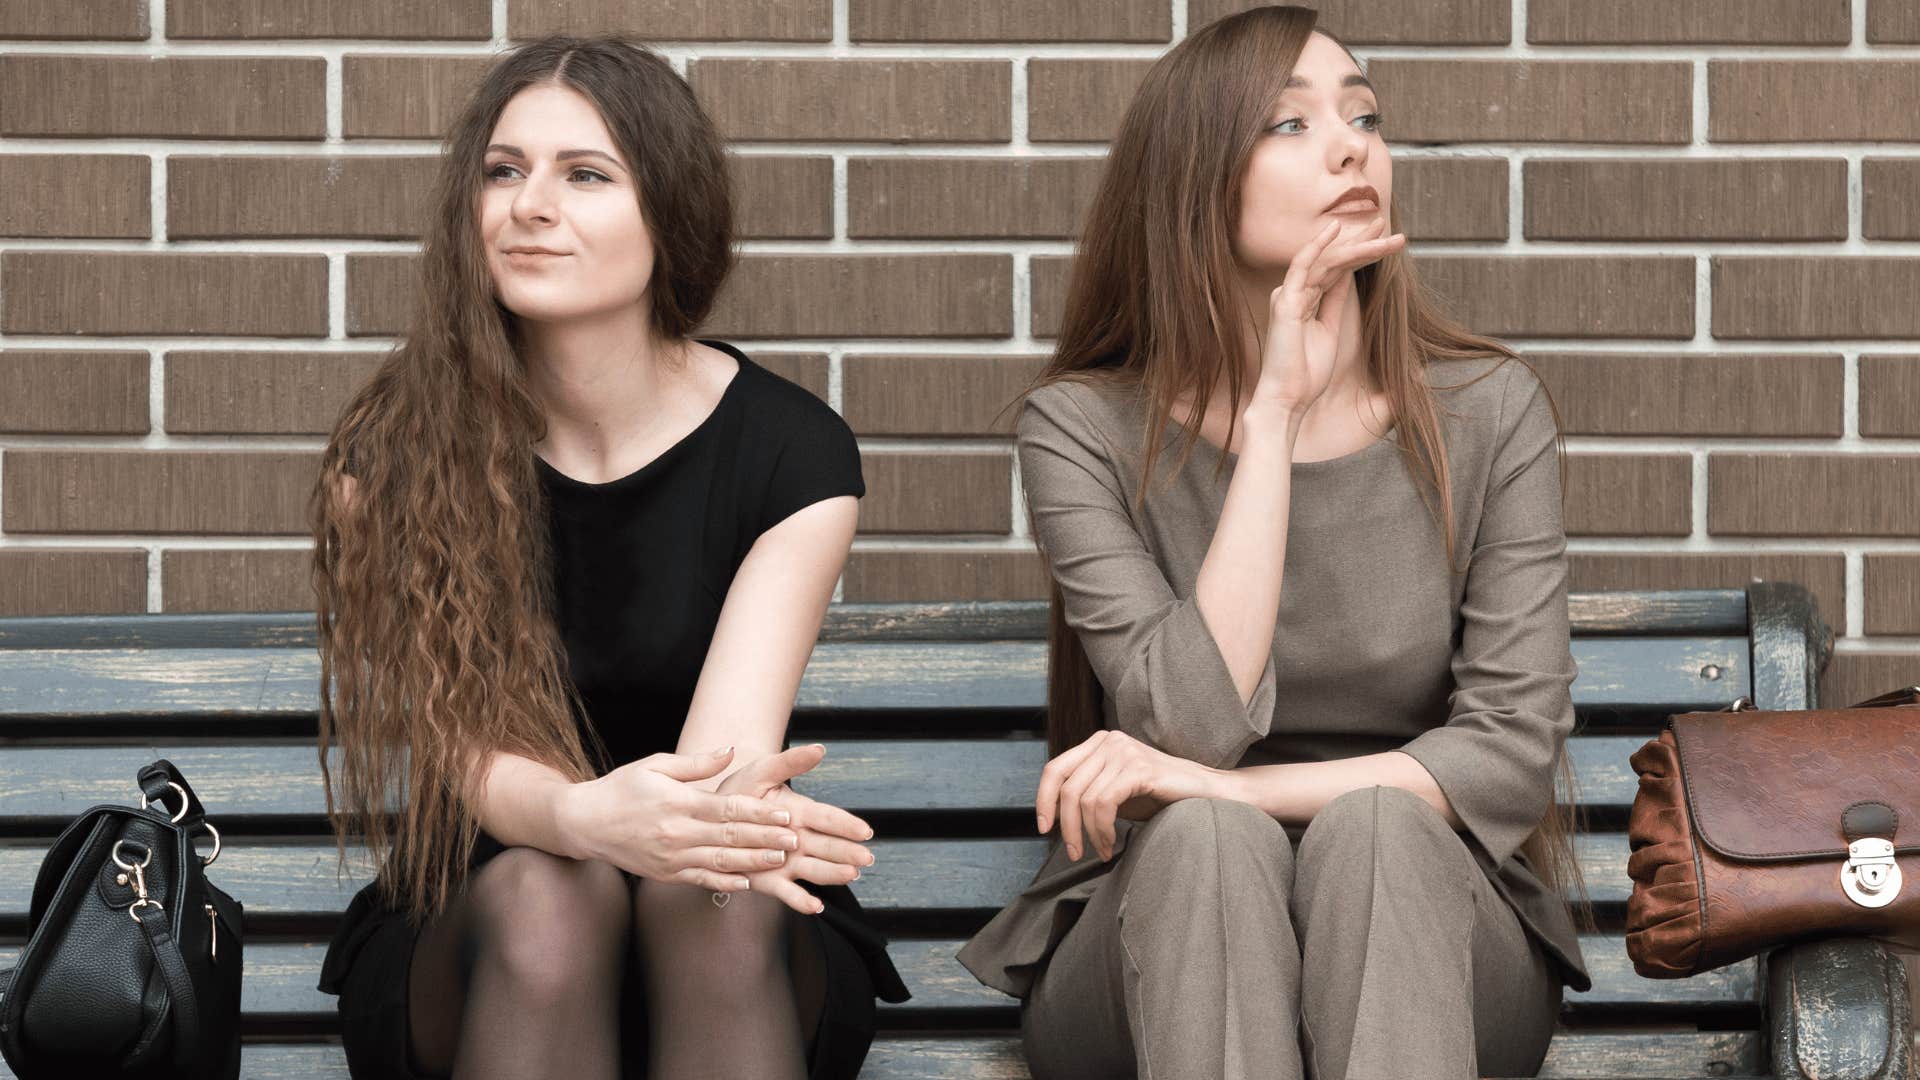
[(1371, 947)]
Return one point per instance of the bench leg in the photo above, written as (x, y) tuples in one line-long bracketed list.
[(1838, 1010)]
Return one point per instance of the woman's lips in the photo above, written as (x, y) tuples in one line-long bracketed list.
[(1356, 206), (532, 258)]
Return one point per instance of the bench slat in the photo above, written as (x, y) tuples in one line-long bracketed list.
[(175, 685), (998, 1057), (278, 985), (292, 885), (47, 786)]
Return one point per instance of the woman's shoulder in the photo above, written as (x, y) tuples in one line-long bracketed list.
[(1492, 394), (775, 405), (1091, 407)]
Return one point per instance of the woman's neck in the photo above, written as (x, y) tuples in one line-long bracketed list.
[(600, 379), (1351, 381)]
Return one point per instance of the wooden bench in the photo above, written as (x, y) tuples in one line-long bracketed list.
[(932, 715)]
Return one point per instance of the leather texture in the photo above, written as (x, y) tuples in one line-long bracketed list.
[(1742, 823), (107, 986)]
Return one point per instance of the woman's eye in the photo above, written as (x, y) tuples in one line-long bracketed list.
[(495, 172), (589, 173), (1373, 120), (1282, 125)]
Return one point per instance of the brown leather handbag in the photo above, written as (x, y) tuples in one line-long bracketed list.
[(1756, 828)]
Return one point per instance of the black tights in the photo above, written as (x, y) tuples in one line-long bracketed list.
[(523, 974)]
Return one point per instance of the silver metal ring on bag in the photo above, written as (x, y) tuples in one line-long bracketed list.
[(207, 860), (127, 866), (163, 806)]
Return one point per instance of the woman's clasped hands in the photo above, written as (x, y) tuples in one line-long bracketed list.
[(753, 833), (1114, 775)]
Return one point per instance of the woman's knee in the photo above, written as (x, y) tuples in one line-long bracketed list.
[(1375, 829), (547, 920), (1196, 838), (681, 926)]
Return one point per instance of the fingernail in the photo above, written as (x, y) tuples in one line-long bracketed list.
[(869, 861), (856, 875), (790, 842), (781, 817), (742, 883), (869, 835), (723, 750), (773, 856)]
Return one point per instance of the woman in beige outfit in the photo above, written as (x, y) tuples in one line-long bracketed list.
[(1310, 669)]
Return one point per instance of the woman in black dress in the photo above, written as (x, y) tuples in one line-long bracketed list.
[(570, 565)]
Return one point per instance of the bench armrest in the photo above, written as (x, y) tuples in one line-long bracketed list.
[(1838, 1010)]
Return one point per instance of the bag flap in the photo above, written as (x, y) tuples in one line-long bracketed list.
[(1773, 786)]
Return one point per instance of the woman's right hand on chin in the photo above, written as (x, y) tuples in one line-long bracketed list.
[(1304, 319), (647, 818)]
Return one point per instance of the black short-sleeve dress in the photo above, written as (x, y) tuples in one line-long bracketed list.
[(642, 564)]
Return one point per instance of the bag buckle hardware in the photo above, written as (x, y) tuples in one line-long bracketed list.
[(1870, 877), (139, 872)]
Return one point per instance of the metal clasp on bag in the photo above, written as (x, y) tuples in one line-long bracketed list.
[(205, 860), (139, 875), (1870, 876)]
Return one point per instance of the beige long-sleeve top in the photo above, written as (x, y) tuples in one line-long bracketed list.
[(1376, 646)]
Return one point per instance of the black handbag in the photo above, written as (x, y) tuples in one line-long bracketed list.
[(132, 963)]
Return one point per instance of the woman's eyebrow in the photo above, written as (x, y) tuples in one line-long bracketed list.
[(1295, 82), (564, 155)]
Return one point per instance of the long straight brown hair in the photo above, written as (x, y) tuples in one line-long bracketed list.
[(1153, 304), (433, 588)]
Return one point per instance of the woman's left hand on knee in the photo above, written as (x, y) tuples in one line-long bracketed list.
[(1114, 775)]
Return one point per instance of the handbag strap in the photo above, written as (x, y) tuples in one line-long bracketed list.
[(173, 968), (162, 783)]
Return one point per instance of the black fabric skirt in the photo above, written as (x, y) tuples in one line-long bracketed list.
[(367, 964)]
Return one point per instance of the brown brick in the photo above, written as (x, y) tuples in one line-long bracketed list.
[(1772, 100), (869, 100), (1890, 198), (1889, 385), (1079, 100), (1694, 394), (380, 197), (1892, 588), (676, 20), (934, 395), (46, 391), (1573, 296), (1394, 22), (381, 293), (1671, 199), (1451, 198), (1587, 101), (113, 20), (781, 196), (921, 492), (1010, 20), (1811, 494), (445, 19), (1892, 22), (247, 579), (265, 393), (1696, 22), (874, 576), (806, 369), (76, 292), (949, 197), (127, 491), (1825, 575), (96, 196), (1629, 494), (1815, 297), (1856, 676), (72, 581), (1049, 294), (813, 296), (405, 97), (186, 97)]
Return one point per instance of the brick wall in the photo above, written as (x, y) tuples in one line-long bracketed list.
[(1698, 219)]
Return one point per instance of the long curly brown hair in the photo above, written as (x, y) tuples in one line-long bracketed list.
[(433, 579), (1153, 302)]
